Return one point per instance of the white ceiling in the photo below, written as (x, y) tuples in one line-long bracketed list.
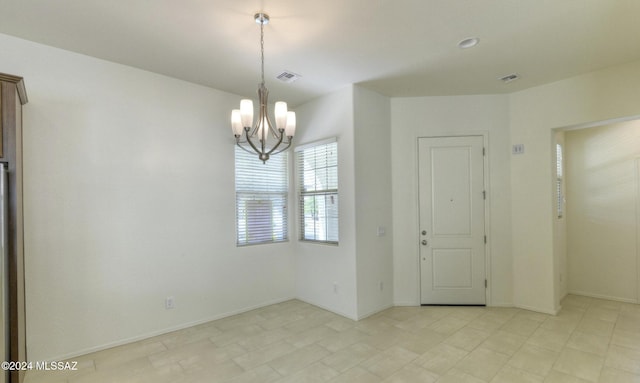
[(395, 47)]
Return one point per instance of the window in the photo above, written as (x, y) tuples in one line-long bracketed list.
[(261, 198), (559, 177), (317, 170)]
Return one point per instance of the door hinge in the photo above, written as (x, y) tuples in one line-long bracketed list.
[(486, 284), (485, 239), (484, 194), (484, 152)]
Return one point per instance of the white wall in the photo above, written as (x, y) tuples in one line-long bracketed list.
[(440, 116), (128, 180), (534, 113), (601, 210), (123, 192), (373, 201), (319, 266)]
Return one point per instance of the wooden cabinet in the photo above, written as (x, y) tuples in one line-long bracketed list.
[(12, 96)]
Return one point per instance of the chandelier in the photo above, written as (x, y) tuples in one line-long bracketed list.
[(261, 137)]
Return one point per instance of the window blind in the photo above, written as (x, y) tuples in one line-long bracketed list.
[(559, 177), (559, 164), (317, 169), (261, 198)]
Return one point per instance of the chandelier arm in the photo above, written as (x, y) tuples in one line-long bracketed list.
[(254, 130), (283, 149), (244, 148), (277, 144), (272, 130), (246, 132)]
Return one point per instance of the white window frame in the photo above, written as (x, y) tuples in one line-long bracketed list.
[(322, 224), (262, 198)]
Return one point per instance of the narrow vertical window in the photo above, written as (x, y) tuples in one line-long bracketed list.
[(317, 173), (559, 181), (261, 198)]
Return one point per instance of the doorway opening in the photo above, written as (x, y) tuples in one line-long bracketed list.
[(597, 197)]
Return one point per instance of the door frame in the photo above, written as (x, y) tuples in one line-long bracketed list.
[(637, 179), (487, 209)]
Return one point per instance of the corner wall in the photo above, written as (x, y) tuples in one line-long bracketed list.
[(373, 201), (361, 265)]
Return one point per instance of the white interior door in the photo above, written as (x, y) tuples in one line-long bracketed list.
[(452, 235)]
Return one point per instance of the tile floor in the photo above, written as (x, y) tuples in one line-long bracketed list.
[(591, 340)]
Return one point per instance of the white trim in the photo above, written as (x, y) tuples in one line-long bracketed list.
[(539, 310), (406, 303), (601, 296), (487, 220), (166, 330), (595, 124), (342, 314), (325, 141), (375, 311), (637, 177)]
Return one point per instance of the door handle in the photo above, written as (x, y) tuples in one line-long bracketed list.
[(424, 242)]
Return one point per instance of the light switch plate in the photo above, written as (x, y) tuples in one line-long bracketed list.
[(517, 149)]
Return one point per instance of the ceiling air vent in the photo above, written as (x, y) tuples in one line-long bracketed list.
[(510, 77), (288, 76)]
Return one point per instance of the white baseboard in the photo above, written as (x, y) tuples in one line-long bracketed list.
[(246, 309), (564, 295), (337, 312), (602, 296), (164, 331), (405, 304), (539, 309), (373, 312)]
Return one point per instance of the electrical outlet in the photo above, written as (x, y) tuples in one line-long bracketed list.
[(517, 149), (169, 303)]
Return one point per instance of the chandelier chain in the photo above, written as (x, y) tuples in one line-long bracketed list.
[(262, 50)]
